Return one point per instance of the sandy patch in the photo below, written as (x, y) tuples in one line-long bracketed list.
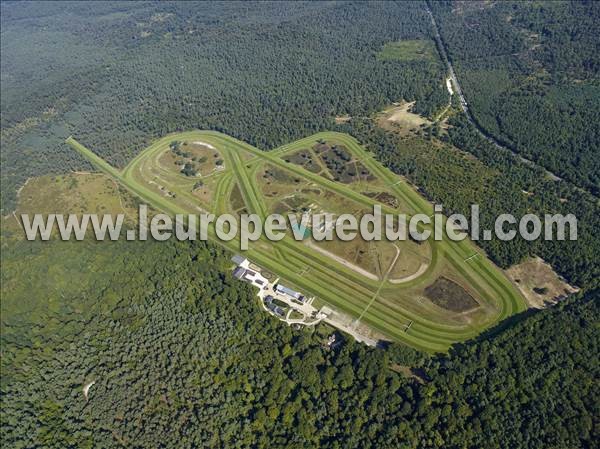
[(401, 120), (342, 119), (361, 332), (86, 389), (539, 283), (198, 142), (449, 86)]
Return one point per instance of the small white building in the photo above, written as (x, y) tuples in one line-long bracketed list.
[(245, 273), (282, 289), (256, 279)]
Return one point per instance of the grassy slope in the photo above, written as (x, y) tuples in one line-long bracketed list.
[(332, 282)]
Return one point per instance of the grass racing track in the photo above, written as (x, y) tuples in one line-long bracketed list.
[(316, 274)]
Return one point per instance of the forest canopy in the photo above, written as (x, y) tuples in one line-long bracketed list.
[(530, 73), (266, 73), (170, 349), (180, 355)]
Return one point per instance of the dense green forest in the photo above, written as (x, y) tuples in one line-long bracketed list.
[(181, 356), (530, 73), (267, 73)]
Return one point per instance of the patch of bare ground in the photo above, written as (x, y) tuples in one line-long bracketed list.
[(346, 323), (401, 119), (342, 119), (539, 283)]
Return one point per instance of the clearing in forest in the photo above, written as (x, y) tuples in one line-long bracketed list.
[(395, 288), (408, 50), (539, 283), (400, 119)]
